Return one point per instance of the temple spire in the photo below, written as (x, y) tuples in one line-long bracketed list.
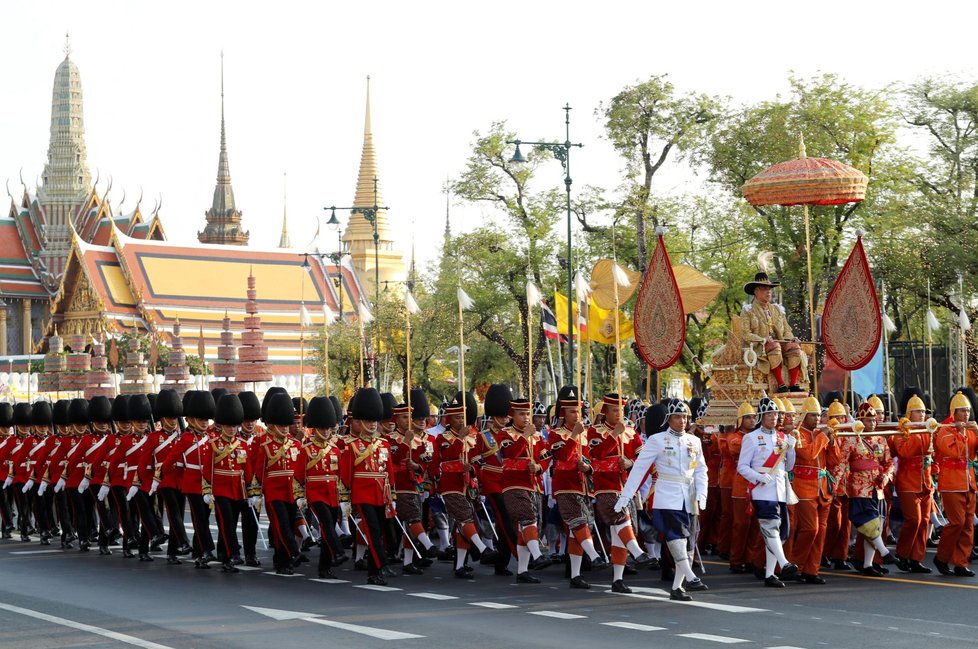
[(223, 218), (284, 241)]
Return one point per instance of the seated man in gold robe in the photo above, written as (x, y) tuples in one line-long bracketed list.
[(765, 328)]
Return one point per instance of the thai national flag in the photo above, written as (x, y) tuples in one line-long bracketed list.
[(549, 322)]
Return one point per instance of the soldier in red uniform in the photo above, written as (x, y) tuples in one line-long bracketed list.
[(490, 465), (183, 456), (252, 433), (613, 446), (96, 468), (567, 448), (411, 451), (7, 441), (74, 471), (170, 408), (35, 464), (18, 468), (956, 450), (224, 473), (115, 485), (318, 473), (139, 472), (274, 465), (366, 468), (63, 440), (710, 519)]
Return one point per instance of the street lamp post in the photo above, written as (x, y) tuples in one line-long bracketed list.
[(336, 257), (561, 151)]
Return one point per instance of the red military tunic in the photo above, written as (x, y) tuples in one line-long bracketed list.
[(6, 448), (18, 458), (518, 450), (605, 451), (225, 469), (39, 455), (452, 457), (57, 460), (116, 457), (183, 459), (76, 467), (366, 467), (318, 471), (566, 450), (490, 464), (418, 451), (96, 464), (274, 468)]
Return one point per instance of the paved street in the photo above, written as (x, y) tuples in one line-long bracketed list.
[(54, 598)]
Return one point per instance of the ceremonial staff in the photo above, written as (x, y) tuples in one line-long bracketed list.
[(581, 293), (328, 318), (410, 308), (532, 297), (365, 318), (620, 279)]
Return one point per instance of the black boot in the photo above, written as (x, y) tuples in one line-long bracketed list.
[(619, 586)]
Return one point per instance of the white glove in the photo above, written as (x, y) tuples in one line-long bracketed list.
[(7, 482), (27, 486), (621, 504), (83, 485), (765, 479), (701, 503), (551, 502), (153, 487), (301, 503), (102, 493), (131, 493), (208, 499), (42, 488), (59, 485)]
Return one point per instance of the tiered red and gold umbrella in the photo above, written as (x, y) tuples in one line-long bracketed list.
[(807, 181)]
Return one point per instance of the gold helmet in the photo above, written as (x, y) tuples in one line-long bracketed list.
[(779, 403), (836, 409), (787, 406), (915, 403), (876, 402), (959, 401), (744, 410), (811, 406)]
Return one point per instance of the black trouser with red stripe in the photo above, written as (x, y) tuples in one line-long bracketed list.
[(175, 506), (130, 527), (81, 512), (331, 547), (147, 514), (282, 515), (228, 512), (374, 519), (505, 530), (200, 516)]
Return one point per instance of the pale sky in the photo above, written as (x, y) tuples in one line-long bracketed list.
[(295, 86)]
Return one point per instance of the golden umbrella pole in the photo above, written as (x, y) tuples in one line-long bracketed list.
[(581, 290), (811, 293), (464, 303), (410, 307), (532, 297), (619, 278)]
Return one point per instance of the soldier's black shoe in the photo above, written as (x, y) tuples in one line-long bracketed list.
[(128, 554), (159, 539), (943, 568), (467, 568), (376, 580), (680, 595), (229, 567), (446, 555), (825, 564), (104, 550), (503, 572), (963, 571), (738, 568), (184, 550), (758, 573), (474, 553), (431, 553), (526, 578), (871, 571), (903, 565), (285, 570), (237, 560), (252, 561), (788, 571), (696, 584), (811, 579), (411, 569), (301, 558), (208, 557), (340, 559), (422, 562), (145, 558), (66, 545), (388, 572), (45, 540), (462, 573), (200, 564), (643, 560), (917, 567), (346, 540), (842, 564), (578, 582), (359, 564), (655, 564), (599, 564), (173, 561), (880, 569), (794, 388), (630, 570), (619, 586), (7, 535), (307, 544), (326, 574), (489, 556), (540, 563), (782, 389), (888, 559), (773, 582), (84, 546)]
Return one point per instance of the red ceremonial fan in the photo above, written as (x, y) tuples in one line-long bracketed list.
[(852, 322), (660, 320)]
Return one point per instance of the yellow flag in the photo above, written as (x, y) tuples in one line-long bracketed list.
[(600, 322)]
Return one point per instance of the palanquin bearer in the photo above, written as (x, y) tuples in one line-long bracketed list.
[(870, 468), (766, 325), (955, 446), (568, 450), (680, 486), (613, 446), (411, 452), (914, 483), (766, 456), (811, 485)]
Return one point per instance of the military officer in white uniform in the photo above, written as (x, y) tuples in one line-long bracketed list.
[(681, 469), (766, 456)]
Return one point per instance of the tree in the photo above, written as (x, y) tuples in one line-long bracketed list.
[(645, 123)]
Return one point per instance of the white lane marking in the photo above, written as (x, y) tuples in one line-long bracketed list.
[(784, 647), (491, 605), (283, 615), (88, 628), (726, 608), (35, 551), (248, 568), (644, 590), (712, 638), (634, 627), (373, 632), (272, 572), (381, 589), (558, 615), (331, 581), (436, 596)]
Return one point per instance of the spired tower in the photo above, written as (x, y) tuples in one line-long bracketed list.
[(359, 235), (223, 218), (67, 181)]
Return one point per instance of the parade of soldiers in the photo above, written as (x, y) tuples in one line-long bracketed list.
[(784, 496)]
